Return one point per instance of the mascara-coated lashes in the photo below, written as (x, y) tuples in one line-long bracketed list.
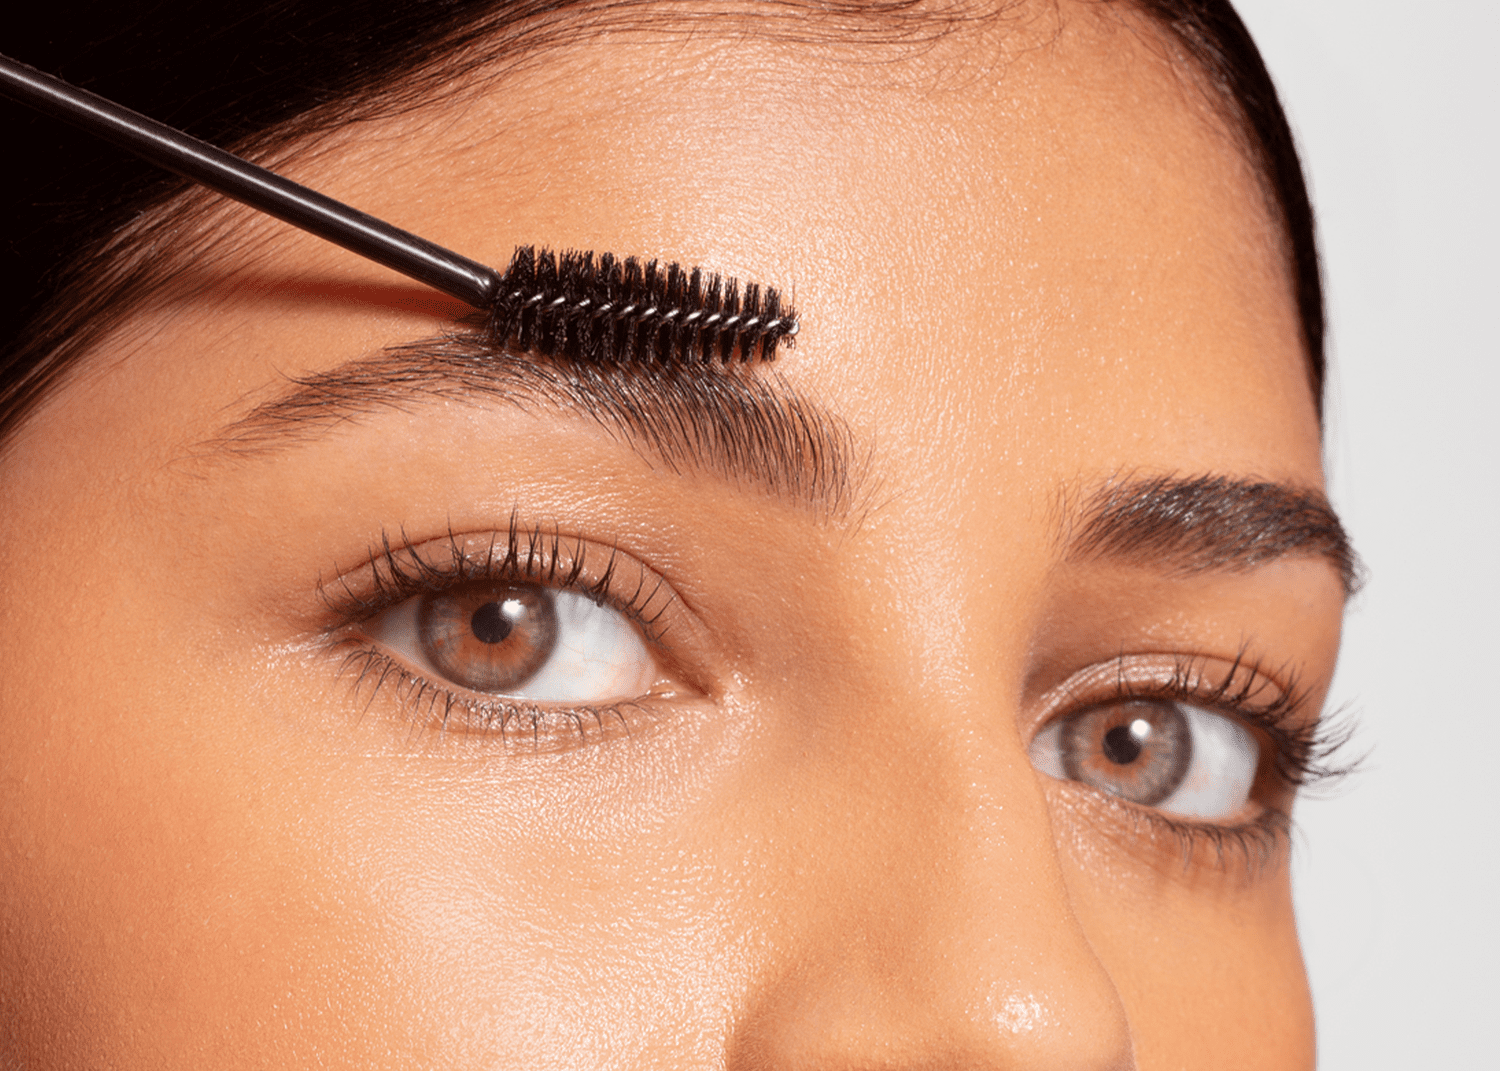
[(606, 311)]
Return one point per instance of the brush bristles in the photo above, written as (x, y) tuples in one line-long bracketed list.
[(608, 311)]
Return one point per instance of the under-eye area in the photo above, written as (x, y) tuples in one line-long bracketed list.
[(524, 631)]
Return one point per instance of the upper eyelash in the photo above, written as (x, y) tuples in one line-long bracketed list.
[(1305, 754), (532, 555)]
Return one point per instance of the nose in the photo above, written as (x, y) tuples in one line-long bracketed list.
[(920, 920)]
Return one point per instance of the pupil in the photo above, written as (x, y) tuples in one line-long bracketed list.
[(1121, 745), (489, 623)]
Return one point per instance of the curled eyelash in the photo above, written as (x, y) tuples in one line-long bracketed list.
[(529, 555), (400, 570), (1306, 753)]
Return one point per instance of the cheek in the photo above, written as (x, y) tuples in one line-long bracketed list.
[(214, 841), (171, 889), (1206, 964)]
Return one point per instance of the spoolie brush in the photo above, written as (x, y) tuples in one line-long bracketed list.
[(574, 307), (606, 310)]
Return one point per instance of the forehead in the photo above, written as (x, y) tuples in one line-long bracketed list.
[(1026, 242)]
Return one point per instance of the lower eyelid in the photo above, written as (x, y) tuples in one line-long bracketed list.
[(429, 704), (1166, 844)]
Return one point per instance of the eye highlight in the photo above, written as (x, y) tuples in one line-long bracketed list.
[(1173, 756)]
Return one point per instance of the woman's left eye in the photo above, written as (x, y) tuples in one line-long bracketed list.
[(1160, 753), (521, 641)]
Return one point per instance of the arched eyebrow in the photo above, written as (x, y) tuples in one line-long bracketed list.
[(741, 424), (1209, 523)]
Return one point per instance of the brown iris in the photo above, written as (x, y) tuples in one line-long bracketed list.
[(489, 637), (1140, 751)]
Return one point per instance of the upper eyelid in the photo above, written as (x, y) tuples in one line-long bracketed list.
[(402, 569), (1163, 674)]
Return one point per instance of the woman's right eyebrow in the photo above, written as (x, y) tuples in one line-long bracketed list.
[(736, 422)]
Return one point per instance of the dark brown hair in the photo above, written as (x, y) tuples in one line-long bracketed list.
[(84, 223)]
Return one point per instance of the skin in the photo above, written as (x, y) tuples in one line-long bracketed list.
[(819, 843)]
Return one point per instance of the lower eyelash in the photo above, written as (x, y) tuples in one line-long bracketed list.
[(430, 704), (1245, 849)]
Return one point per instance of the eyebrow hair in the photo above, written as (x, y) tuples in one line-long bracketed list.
[(1211, 523), (743, 426)]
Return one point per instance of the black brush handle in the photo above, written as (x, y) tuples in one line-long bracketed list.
[(467, 280)]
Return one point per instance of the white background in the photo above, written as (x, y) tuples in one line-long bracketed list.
[(1397, 111)]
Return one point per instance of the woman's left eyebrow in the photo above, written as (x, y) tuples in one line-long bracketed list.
[(738, 423), (1209, 523)]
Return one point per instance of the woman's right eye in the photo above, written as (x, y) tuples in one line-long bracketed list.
[(521, 641), (1166, 754)]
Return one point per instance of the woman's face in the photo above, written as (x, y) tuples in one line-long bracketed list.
[(872, 747)]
